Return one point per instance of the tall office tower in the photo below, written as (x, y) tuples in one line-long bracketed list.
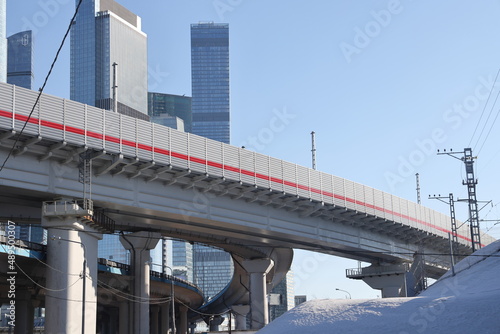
[(210, 80), (3, 41), (20, 59), (213, 269), (182, 260), (282, 298), (106, 33), (160, 106)]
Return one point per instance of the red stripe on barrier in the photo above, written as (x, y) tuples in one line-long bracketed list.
[(182, 156)]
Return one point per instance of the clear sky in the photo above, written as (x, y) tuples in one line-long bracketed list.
[(382, 83)]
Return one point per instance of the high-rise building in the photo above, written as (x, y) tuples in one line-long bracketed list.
[(162, 105), (20, 59), (106, 33), (285, 299), (3, 41), (213, 269), (210, 80), (182, 260)]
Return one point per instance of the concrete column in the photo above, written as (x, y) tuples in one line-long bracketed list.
[(165, 318), (240, 312), (113, 322), (25, 313), (215, 322), (123, 318), (192, 327), (155, 319), (183, 322), (258, 269), (139, 244), (71, 305)]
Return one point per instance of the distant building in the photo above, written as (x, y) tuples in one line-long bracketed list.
[(170, 121), (182, 260), (3, 41), (299, 299), (213, 269), (160, 106), (210, 80), (105, 33), (283, 297), (20, 57)]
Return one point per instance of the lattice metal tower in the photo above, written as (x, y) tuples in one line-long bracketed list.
[(470, 182)]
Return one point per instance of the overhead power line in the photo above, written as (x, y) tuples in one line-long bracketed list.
[(40, 91)]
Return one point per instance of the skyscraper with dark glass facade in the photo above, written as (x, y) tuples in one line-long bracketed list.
[(161, 105), (3, 41), (210, 80), (20, 59), (105, 33)]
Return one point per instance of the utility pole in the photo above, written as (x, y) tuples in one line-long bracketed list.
[(451, 203), (470, 182), (313, 150), (115, 87), (418, 187)]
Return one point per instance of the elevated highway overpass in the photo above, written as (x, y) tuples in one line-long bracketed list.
[(151, 178)]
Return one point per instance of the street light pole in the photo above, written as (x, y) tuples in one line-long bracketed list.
[(172, 297), (344, 291)]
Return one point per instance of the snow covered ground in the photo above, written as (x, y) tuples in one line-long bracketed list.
[(468, 302)]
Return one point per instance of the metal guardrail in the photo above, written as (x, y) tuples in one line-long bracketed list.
[(24, 244), (152, 273), (378, 270), (79, 207), (104, 221)]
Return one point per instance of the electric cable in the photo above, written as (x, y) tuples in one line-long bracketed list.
[(484, 108), (43, 86)]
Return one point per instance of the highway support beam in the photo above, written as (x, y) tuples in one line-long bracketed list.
[(71, 299), (390, 279), (257, 270), (139, 244)]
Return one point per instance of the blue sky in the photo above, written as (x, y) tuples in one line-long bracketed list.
[(382, 83)]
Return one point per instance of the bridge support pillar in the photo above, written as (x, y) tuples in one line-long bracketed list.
[(124, 319), (258, 269), (390, 279), (165, 317), (139, 244), (183, 320), (25, 313), (215, 322), (71, 300), (240, 312), (154, 320)]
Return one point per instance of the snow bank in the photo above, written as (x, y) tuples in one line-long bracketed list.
[(468, 302)]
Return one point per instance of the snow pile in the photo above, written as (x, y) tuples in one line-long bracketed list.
[(468, 302)]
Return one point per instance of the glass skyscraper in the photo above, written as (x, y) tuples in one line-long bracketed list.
[(213, 269), (20, 59), (105, 33), (162, 105), (210, 80), (3, 41)]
